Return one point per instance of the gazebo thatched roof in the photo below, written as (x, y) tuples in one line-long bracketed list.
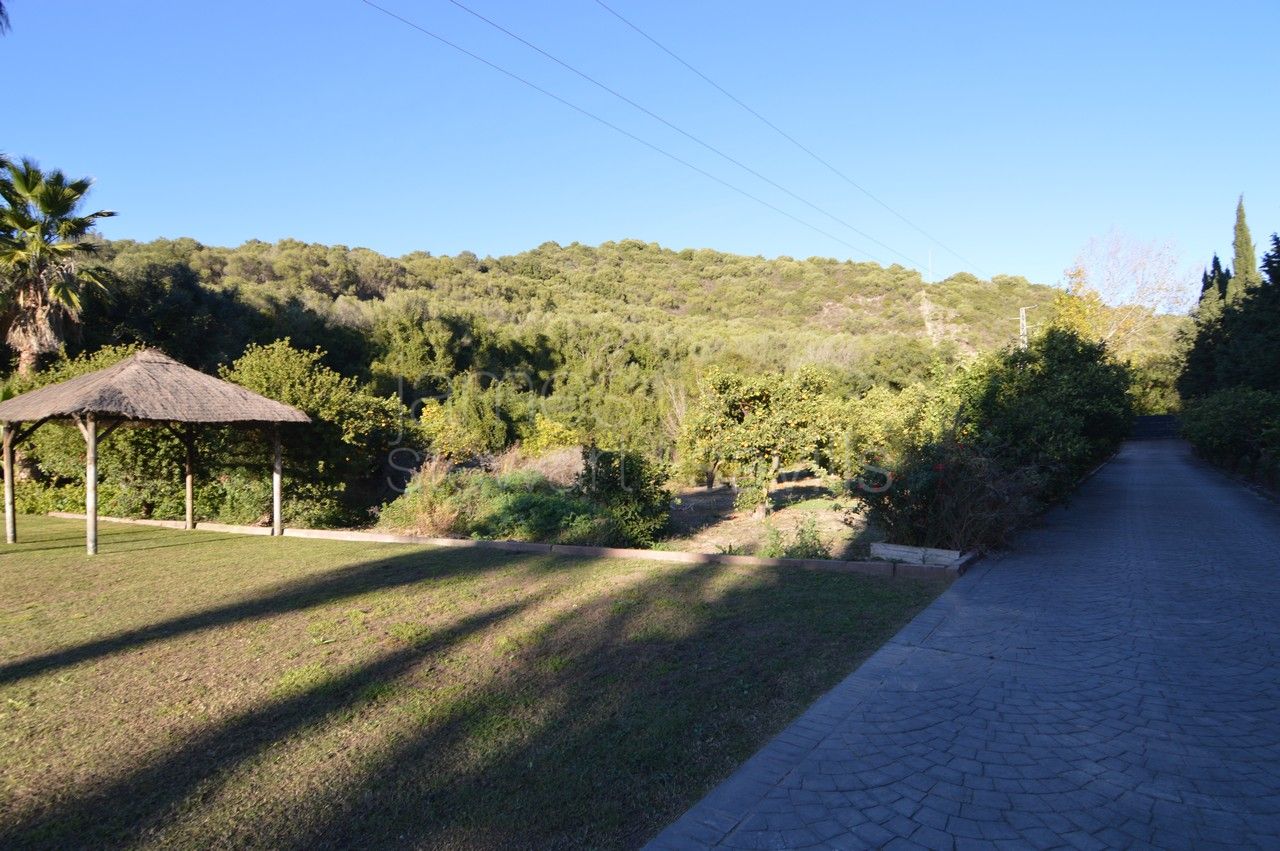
[(149, 386)]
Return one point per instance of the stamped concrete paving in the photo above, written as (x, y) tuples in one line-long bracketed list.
[(1112, 681)]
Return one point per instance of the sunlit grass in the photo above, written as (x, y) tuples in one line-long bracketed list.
[(199, 690)]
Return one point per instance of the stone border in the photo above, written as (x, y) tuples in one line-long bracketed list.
[(929, 556), (870, 568)]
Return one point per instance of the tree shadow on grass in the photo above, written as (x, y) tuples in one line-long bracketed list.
[(621, 713), (654, 697), (700, 509), (315, 590), (106, 540), (144, 795), (190, 539)]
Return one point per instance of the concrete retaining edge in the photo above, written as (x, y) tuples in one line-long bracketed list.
[(870, 568)]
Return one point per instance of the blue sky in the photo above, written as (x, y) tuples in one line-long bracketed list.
[(1011, 132)]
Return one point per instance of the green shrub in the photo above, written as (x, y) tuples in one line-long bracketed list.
[(949, 495), (1154, 389), (752, 492), (469, 423), (38, 498), (806, 543), (347, 442), (1057, 407), (520, 506), (1233, 425), (547, 434), (1026, 424), (630, 488), (773, 545)]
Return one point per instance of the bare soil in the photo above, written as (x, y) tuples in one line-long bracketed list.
[(706, 521)]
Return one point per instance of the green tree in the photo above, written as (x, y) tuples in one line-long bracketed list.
[(1060, 403), (758, 424), (44, 248), (1246, 275), (1213, 291), (1271, 262), (1028, 423), (346, 446)]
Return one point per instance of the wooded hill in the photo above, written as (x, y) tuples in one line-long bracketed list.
[(463, 359), (869, 323)]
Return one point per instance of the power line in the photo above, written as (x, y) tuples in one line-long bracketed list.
[(613, 126), (680, 130), (784, 134)]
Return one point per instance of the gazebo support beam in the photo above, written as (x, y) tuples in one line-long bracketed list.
[(88, 425), (10, 512), (277, 482), (12, 436), (189, 441), (186, 435)]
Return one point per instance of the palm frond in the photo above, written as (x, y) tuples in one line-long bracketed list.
[(43, 248), (26, 177)]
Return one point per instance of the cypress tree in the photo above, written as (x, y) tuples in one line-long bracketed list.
[(1271, 262), (1214, 284), (1246, 260)]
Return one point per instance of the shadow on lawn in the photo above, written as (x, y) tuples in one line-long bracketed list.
[(63, 542), (625, 711), (334, 585), (129, 807)]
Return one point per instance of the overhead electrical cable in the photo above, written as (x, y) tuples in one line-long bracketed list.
[(784, 134), (655, 116), (616, 128)]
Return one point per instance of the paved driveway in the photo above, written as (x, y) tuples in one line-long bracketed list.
[(1112, 681)]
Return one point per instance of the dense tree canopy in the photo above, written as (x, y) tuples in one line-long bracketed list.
[(1231, 375)]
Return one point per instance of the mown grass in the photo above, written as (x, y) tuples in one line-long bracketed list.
[(197, 690)]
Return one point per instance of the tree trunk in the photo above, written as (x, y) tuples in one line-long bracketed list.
[(28, 360), (762, 510)]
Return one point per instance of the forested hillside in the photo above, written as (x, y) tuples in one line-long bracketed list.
[(423, 360), (424, 318)]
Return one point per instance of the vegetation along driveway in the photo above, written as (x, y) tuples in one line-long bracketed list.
[(1111, 682)]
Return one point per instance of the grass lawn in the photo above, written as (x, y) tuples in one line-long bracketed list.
[(198, 690)]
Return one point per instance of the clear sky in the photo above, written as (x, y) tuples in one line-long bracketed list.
[(1011, 132)]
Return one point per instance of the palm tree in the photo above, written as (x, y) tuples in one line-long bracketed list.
[(43, 249), (4, 20)]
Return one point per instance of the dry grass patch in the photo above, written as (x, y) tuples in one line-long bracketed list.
[(199, 690)]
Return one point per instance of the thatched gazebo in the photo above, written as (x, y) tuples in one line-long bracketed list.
[(149, 388)]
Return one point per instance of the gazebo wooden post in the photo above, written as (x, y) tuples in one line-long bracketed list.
[(90, 429), (10, 512), (189, 440), (277, 477)]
